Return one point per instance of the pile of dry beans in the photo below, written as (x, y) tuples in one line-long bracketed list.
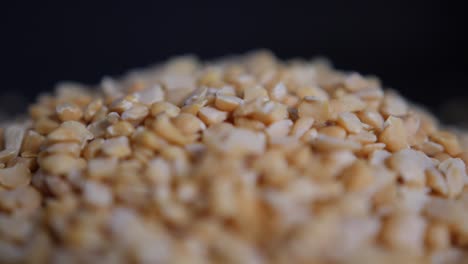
[(243, 160)]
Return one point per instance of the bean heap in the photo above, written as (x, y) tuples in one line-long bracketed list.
[(242, 160)]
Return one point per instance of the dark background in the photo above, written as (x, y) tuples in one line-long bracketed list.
[(416, 47)]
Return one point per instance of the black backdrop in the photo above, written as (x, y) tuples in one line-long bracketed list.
[(416, 47)]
